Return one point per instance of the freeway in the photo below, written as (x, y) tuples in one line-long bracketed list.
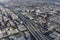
[(32, 28)]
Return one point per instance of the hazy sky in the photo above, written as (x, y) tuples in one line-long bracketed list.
[(33, 0), (4, 0)]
